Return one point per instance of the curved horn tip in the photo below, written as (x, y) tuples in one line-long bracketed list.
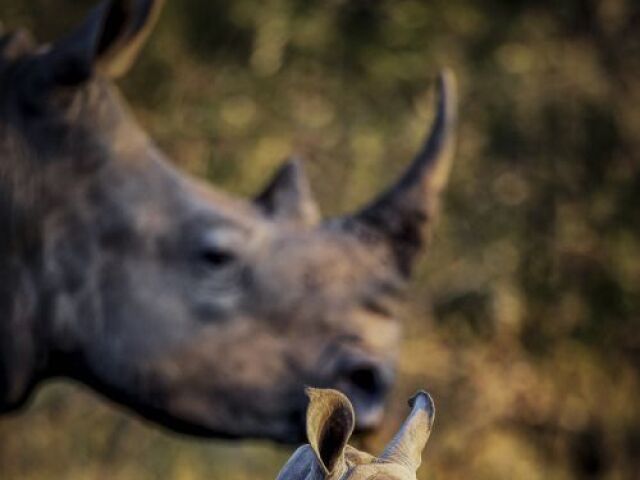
[(422, 400), (446, 78), (447, 93)]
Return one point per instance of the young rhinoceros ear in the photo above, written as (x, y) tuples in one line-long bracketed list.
[(330, 422), (288, 196), (406, 447), (107, 41)]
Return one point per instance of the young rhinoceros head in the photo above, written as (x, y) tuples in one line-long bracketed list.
[(330, 423)]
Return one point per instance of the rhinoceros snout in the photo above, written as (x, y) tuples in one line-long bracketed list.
[(366, 382)]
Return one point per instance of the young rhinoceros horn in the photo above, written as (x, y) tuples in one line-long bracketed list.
[(403, 215), (407, 445)]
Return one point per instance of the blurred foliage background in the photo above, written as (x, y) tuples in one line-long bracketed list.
[(524, 320)]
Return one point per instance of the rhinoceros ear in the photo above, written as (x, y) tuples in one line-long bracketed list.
[(330, 422), (288, 196), (107, 41), (406, 447)]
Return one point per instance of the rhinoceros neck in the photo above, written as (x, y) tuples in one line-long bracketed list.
[(54, 185), (18, 243), (19, 346)]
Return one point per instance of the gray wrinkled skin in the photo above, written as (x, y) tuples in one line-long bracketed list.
[(203, 312), (330, 422)]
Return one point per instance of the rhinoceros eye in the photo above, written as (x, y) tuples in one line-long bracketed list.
[(216, 257), (218, 248)]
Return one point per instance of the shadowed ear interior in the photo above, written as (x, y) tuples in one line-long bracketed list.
[(330, 422), (107, 41)]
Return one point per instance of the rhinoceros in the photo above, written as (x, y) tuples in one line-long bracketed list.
[(199, 310), (327, 456)]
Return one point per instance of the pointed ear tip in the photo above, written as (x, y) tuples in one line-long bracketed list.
[(151, 4), (150, 8), (423, 400), (153, 8), (313, 393), (329, 397), (310, 392)]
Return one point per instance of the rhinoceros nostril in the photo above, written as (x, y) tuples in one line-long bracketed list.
[(366, 379), (366, 383)]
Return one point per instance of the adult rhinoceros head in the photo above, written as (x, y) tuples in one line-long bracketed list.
[(202, 311)]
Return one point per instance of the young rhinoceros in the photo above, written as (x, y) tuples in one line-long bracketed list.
[(330, 422)]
